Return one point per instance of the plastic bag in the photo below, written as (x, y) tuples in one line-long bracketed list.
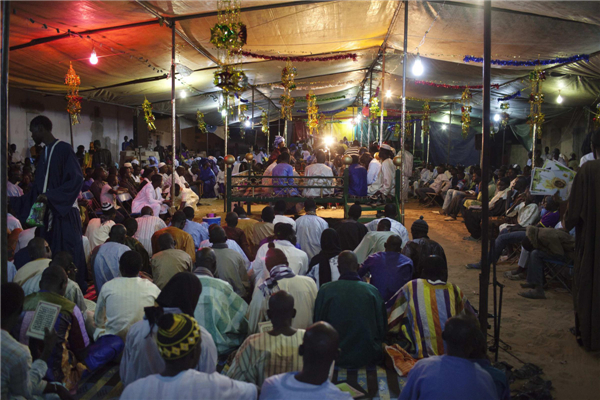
[(37, 214)]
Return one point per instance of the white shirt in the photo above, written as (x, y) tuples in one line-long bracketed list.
[(97, 232), (335, 272), (188, 385), (397, 228), (309, 229), (142, 358), (147, 225), (268, 181), (233, 245), (285, 220), (13, 190), (24, 238), (13, 223), (586, 158), (297, 260), (425, 175), (148, 196), (304, 291), (121, 304), (388, 172), (286, 386), (439, 182), (373, 171), (318, 170)]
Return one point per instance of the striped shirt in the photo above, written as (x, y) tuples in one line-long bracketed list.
[(20, 377), (426, 306), (147, 225), (264, 355)]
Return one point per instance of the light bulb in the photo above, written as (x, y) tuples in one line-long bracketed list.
[(183, 94), (329, 141), (247, 123), (94, 57), (388, 94), (444, 126), (497, 117), (417, 68), (559, 99), (223, 112), (358, 117)]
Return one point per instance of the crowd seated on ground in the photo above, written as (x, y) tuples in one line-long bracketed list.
[(272, 326)]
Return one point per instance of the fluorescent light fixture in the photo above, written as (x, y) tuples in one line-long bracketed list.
[(93, 57), (417, 68), (497, 117)]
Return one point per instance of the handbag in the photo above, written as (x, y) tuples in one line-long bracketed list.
[(39, 208)]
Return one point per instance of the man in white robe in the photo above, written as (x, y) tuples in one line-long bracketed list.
[(150, 196), (397, 228), (318, 169), (309, 228), (147, 225)]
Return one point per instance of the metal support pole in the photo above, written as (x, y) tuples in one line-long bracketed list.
[(4, 139), (449, 131), (226, 126), (403, 135), (370, 116), (382, 99), (428, 143), (70, 129), (414, 137), (484, 276), (285, 138), (173, 111), (503, 142), (268, 127), (252, 120)]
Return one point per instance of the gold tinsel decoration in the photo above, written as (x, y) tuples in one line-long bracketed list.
[(264, 120), (73, 100), (287, 101), (374, 109), (505, 115), (466, 112), (147, 107), (425, 119), (201, 123), (313, 110), (536, 117)]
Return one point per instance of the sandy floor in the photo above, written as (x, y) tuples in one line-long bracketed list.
[(537, 331)]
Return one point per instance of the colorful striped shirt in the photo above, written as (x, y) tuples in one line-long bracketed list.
[(420, 310)]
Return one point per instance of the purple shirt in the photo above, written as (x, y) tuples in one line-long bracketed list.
[(389, 270), (358, 180), (284, 170), (550, 219)]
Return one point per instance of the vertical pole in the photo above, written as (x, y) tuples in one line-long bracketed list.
[(403, 135), (71, 129), (268, 126), (449, 131), (173, 115), (382, 99), (484, 277), (533, 144), (414, 137), (428, 143), (285, 138), (370, 116), (504, 141), (4, 139), (226, 127), (252, 120)]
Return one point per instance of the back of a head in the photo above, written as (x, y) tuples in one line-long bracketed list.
[(131, 226), (12, 300), (280, 207), (355, 211), (147, 211), (435, 268), (275, 257), (38, 248), (130, 264), (384, 225), (217, 235), (231, 219), (321, 157), (267, 214), (54, 279), (320, 344), (117, 233), (178, 339), (189, 213), (283, 231), (43, 121), (166, 241), (281, 306), (461, 335), (394, 243), (390, 210), (239, 211), (179, 219), (156, 179), (205, 257), (63, 259), (182, 291), (310, 205), (347, 262)]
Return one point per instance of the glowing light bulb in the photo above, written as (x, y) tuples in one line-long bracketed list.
[(417, 68), (183, 94), (93, 57), (223, 112), (559, 99), (444, 126), (358, 117), (497, 117), (388, 94), (247, 123), (329, 141)]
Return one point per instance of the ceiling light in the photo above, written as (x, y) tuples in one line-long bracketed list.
[(444, 126), (497, 117), (183, 94), (329, 141), (388, 94), (417, 68), (93, 57), (559, 99), (247, 123), (223, 112)]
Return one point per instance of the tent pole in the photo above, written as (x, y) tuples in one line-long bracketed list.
[(252, 119), (503, 142), (428, 143), (484, 276), (268, 127), (382, 100), (71, 129), (403, 135), (370, 116), (226, 124), (173, 111), (449, 131), (4, 140)]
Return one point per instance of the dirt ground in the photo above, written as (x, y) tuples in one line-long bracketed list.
[(536, 331)]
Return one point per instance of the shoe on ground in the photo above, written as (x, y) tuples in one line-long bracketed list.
[(473, 266), (527, 285), (470, 239), (517, 277), (533, 294), (450, 219)]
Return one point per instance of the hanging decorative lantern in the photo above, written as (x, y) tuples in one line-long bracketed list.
[(73, 99), (147, 107), (264, 120), (536, 118), (425, 119), (230, 79), (374, 109), (504, 116), (596, 118), (466, 112), (286, 100), (201, 123), (313, 110)]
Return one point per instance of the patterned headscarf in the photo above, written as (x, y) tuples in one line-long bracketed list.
[(180, 338)]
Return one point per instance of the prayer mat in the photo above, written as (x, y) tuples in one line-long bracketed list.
[(103, 384), (379, 383)]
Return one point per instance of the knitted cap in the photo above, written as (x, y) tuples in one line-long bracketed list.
[(177, 336), (107, 206), (420, 225)]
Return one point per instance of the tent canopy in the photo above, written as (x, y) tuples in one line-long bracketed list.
[(133, 43)]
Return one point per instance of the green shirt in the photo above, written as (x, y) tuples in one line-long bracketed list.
[(356, 310)]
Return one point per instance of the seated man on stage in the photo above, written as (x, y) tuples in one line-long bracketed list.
[(284, 170)]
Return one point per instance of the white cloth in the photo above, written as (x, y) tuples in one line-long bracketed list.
[(87, 249), (121, 304), (318, 170), (388, 173), (31, 269), (105, 265), (13, 223), (377, 184), (304, 291), (373, 171), (97, 232), (13, 190), (142, 358), (233, 245), (297, 260), (11, 271), (148, 196), (425, 175), (285, 220), (24, 238), (586, 158), (335, 272), (397, 228), (147, 225), (268, 181), (308, 230), (285, 386), (106, 197), (439, 182), (188, 385)]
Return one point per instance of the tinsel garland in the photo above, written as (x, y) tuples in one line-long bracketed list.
[(201, 124), (395, 112), (397, 130), (374, 109), (515, 63), (505, 116), (73, 100), (229, 33), (230, 79), (313, 110), (466, 112), (458, 87), (264, 120), (313, 85), (510, 96), (288, 73), (425, 119), (304, 99), (147, 107), (347, 56), (431, 100), (322, 122), (536, 118), (303, 111)]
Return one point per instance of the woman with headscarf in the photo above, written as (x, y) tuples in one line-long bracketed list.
[(208, 177), (323, 267), (141, 356)]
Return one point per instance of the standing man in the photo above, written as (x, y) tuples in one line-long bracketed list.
[(101, 156), (125, 143), (57, 183), (582, 215)]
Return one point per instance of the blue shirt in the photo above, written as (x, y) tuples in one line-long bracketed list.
[(498, 376), (448, 377), (358, 180), (199, 231), (389, 270), (284, 170)]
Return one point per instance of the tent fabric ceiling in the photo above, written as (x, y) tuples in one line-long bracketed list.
[(134, 60)]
